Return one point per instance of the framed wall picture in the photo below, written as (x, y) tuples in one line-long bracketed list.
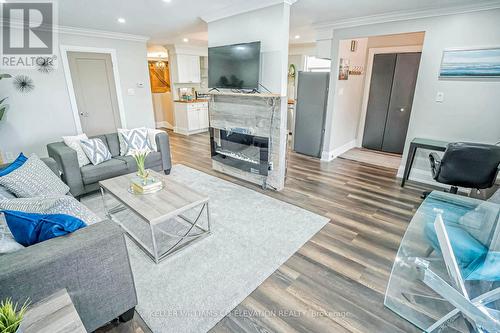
[(159, 76), (473, 63), (344, 69)]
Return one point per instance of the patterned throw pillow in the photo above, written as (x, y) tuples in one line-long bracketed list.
[(74, 143), (152, 138), (5, 194), (96, 151), (34, 178), (64, 204), (7, 242), (133, 139)]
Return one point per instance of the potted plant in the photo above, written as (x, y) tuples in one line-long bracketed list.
[(140, 156), (10, 316), (3, 106)]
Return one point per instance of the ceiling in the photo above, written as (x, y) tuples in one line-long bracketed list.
[(172, 21)]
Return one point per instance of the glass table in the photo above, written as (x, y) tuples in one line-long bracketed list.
[(446, 276)]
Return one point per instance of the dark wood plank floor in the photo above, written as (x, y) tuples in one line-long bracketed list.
[(336, 281)]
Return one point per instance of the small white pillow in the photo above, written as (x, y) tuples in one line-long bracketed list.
[(152, 138), (74, 143), (133, 139), (7, 242), (96, 150)]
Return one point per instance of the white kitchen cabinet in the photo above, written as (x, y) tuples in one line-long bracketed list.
[(191, 118), (188, 68)]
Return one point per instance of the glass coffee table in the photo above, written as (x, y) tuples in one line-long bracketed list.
[(160, 223), (446, 276)]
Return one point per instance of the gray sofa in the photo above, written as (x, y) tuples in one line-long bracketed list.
[(86, 179), (92, 264)]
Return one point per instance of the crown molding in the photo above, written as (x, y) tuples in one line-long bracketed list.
[(323, 27), (249, 6), (101, 34), (81, 31)]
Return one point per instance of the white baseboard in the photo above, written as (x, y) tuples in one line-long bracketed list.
[(184, 131), (331, 155), (164, 124)]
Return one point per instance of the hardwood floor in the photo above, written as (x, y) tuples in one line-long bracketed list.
[(336, 281)]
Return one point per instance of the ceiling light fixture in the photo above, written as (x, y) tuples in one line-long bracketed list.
[(121, 20), (297, 36), (185, 40), (167, 1)]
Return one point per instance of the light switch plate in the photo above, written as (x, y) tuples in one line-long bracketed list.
[(440, 97), (131, 91)]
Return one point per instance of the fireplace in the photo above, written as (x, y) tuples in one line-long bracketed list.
[(239, 149)]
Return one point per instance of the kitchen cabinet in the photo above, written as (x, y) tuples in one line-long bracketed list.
[(188, 68), (191, 117)]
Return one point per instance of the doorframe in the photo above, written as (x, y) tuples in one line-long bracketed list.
[(368, 78), (69, 82)]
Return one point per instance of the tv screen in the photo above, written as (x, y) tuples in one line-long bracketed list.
[(234, 66)]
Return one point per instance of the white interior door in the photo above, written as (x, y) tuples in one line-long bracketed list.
[(95, 92)]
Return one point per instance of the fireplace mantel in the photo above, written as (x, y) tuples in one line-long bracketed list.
[(259, 115)]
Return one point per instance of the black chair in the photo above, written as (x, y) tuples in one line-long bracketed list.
[(470, 165)]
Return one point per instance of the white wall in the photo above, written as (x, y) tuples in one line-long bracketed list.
[(44, 115), (470, 111), (270, 26), (348, 99)]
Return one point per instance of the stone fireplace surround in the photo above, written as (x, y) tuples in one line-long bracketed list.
[(254, 120)]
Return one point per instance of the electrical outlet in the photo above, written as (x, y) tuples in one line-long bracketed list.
[(271, 166), (440, 97)]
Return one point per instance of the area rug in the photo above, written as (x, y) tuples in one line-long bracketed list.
[(252, 235)]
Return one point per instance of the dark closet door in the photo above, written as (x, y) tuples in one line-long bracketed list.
[(403, 90), (392, 88), (378, 100)]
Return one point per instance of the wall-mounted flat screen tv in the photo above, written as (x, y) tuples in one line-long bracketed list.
[(234, 66)]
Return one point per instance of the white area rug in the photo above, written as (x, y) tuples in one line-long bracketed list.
[(252, 235)]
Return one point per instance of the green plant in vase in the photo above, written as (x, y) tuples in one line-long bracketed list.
[(140, 156), (10, 316), (3, 106)]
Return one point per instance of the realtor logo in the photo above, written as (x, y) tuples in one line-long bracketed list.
[(27, 33)]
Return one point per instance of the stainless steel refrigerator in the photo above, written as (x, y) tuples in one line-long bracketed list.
[(310, 112)]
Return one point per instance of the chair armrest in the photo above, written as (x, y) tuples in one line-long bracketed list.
[(91, 263), (52, 164), (163, 144), (67, 160), (435, 164)]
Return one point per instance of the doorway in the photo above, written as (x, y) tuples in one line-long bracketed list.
[(392, 87), (92, 83)]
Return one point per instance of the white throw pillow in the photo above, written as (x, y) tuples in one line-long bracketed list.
[(74, 143), (152, 138), (7, 242), (96, 150), (133, 139)]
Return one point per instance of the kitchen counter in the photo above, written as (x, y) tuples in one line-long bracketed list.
[(191, 101)]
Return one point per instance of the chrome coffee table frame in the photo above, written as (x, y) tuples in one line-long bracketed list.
[(194, 233)]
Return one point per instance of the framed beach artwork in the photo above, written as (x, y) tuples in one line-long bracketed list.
[(473, 63)]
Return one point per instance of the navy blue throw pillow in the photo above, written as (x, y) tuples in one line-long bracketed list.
[(32, 228), (14, 165)]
